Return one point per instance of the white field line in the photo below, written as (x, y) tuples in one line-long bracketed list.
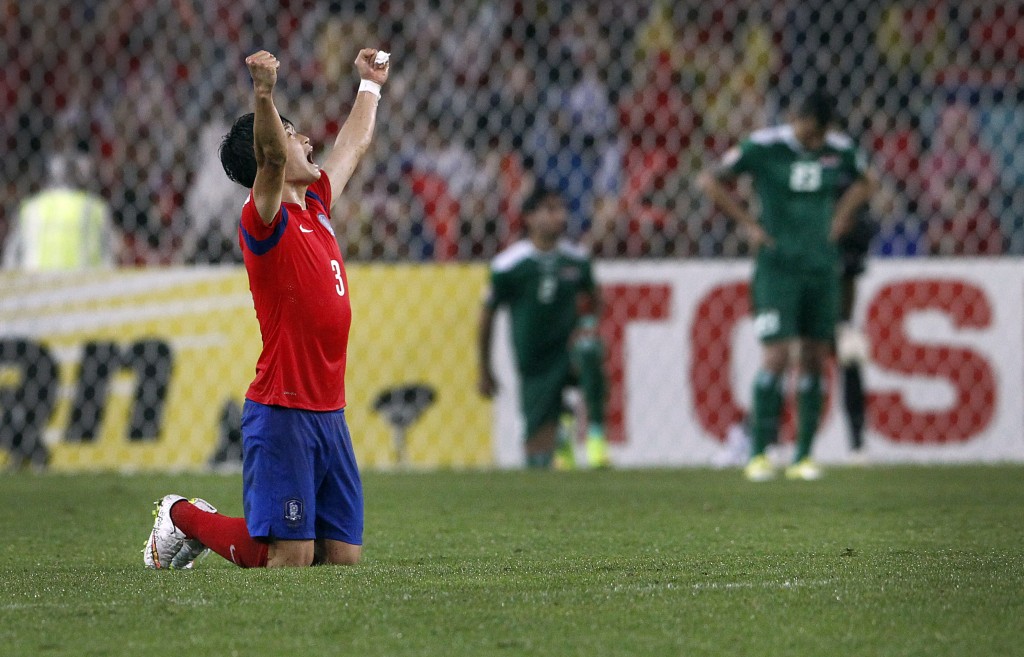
[(699, 586), (783, 585), (98, 604), (777, 586)]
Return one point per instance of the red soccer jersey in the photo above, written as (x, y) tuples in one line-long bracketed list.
[(300, 292)]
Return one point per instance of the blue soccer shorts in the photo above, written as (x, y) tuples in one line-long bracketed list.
[(300, 480)]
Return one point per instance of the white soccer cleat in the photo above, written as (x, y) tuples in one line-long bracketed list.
[(192, 549), (167, 547)]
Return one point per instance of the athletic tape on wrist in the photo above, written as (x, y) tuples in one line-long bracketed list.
[(371, 86)]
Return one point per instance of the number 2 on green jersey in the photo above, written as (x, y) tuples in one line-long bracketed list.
[(805, 177)]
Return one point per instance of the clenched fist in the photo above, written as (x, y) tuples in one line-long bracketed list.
[(368, 69), (263, 69)]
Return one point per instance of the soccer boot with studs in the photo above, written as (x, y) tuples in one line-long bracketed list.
[(167, 546)]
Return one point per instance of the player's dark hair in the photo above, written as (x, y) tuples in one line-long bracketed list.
[(237, 150), (539, 194), (818, 105)]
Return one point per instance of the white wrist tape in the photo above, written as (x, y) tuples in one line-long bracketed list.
[(371, 86)]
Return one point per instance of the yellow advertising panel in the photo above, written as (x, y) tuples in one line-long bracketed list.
[(146, 369)]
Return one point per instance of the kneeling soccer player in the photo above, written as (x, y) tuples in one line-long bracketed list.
[(302, 493)]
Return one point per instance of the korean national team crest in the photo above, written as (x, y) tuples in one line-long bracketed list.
[(326, 222), (293, 510)]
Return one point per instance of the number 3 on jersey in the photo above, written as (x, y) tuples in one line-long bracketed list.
[(340, 287)]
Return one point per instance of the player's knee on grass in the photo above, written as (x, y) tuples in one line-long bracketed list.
[(284, 554), (338, 553)]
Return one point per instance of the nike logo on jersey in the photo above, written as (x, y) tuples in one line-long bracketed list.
[(304, 229)]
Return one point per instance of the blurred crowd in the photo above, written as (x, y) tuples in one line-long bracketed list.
[(617, 104)]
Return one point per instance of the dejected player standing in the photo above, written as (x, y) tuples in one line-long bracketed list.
[(545, 282), (301, 488), (798, 170)]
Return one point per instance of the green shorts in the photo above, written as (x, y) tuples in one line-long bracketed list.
[(540, 394), (790, 304)]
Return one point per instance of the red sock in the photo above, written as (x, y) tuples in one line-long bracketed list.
[(228, 537)]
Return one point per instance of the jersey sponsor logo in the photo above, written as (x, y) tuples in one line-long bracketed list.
[(293, 510), (305, 230), (325, 222)]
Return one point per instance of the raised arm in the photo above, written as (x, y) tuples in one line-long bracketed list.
[(357, 132), (269, 139)]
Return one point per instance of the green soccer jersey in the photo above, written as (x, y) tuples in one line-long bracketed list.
[(540, 289), (798, 190)]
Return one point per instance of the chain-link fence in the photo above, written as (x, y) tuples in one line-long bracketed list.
[(617, 104)]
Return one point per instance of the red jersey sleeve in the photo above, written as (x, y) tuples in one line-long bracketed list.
[(253, 225)]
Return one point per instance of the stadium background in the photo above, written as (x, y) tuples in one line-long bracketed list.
[(617, 104)]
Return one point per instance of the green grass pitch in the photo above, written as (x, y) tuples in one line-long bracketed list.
[(875, 561)]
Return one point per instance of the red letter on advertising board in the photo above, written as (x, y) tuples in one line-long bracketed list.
[(623, 304), (967, 371), (711, 340)]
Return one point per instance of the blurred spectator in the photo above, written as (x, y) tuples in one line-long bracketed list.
[(959, 178), (912, 37), (569, 148), (897, 145), (1003, 123), (64, 226), (956, 156), (135, 82), (989, 38), (441, 171), (901, 230), (211, 205), (513, 107), (656, 122), (963, 224)]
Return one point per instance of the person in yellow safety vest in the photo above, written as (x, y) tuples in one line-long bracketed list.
[(63, 227)]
